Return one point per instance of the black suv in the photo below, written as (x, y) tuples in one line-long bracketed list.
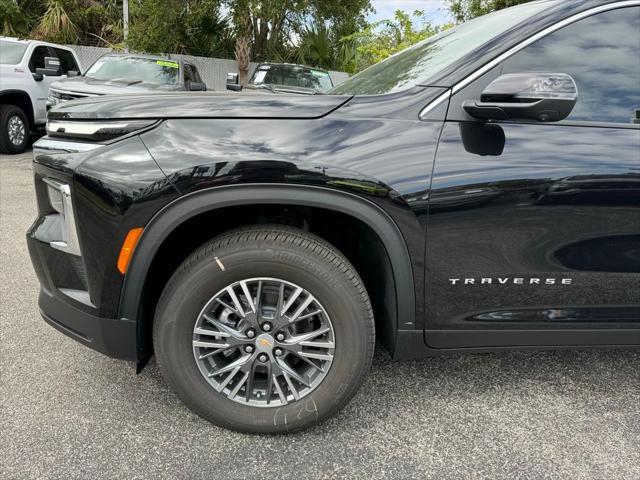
[(479, 191)]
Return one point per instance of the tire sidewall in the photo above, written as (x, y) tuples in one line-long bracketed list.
[(8, 112), (196, 287)]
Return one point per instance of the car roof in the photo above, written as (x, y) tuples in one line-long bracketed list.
[(39, 42)]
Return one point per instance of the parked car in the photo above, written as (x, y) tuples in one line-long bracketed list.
[(120, 73), (259, 244), (24, 84), (284, 78)]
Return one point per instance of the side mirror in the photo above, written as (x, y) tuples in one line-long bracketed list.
[(233, 82), (197, 86), (37, 77), (543, 97), (73, 73), (51, 68)]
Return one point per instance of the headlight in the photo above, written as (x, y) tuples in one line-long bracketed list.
[(99, 131)]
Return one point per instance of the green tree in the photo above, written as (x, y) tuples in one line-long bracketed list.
[(463, 10), (275, 26), (194, 27), (386, 37)]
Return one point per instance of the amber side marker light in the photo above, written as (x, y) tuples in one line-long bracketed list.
[(126, 252)]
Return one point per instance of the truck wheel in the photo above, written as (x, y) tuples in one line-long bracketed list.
[(266, 330), (14, 129)]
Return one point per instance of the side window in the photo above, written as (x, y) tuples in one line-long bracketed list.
[(37, 58), (196, 74), (602, 54), (67, 62), (188, 76)]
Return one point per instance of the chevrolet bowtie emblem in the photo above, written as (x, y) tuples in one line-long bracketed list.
[(264, 342)]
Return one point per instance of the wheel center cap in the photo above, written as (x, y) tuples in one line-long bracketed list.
[(265, 343)]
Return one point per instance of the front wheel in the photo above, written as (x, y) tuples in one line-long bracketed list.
[(14, 129), (265, 330)]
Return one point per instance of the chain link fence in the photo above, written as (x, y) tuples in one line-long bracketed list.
[(212, 70)]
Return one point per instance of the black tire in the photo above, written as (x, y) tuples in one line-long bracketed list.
[(7, 112), (276, 252)]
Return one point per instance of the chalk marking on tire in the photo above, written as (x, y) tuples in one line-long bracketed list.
[(219, 263)]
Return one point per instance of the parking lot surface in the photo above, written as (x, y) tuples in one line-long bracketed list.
[(68, 412)]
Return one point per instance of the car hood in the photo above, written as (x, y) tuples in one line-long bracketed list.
[(199, 105), (116, 86)]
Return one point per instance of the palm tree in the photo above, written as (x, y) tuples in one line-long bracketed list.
[(56, 25)]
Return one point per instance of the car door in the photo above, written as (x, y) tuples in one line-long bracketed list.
[(533, 235), (41, 87)]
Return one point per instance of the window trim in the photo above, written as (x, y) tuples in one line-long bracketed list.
[(515, 49), (33, 50), (73, 57)]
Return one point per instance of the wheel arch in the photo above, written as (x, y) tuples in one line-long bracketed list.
[(21, 99), (181, 210)]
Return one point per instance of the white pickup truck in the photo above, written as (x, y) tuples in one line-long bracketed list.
[(24, 91)]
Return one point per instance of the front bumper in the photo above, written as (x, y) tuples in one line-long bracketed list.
[(113, 337)]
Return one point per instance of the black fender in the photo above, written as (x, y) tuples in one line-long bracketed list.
[(182, 209)]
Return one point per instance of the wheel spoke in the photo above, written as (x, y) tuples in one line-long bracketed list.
[(247, 295), (317, 356), (236, 302), (294, 392), (259, 302), (250, 381), (288, 371), (242, 359), (294, 296), (301, 339), (201, 344), (237, 363), (239, 385), (283, 397), (302, 308), (228, 378), (226, 330), (212, 333)]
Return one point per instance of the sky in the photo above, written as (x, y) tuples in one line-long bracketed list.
[(435, 10)]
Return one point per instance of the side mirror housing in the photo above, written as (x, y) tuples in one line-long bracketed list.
[(73, 73), (51, 68), (197, 86), (37, 76), (542, 97), (233, 82)]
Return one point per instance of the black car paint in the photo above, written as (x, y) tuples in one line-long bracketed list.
[(496, 212)]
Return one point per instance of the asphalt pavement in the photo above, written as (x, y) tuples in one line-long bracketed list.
[(67, 412)]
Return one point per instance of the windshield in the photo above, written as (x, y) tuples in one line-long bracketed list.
[(415, 64), (162, 72), (292, 76), (11, 52)]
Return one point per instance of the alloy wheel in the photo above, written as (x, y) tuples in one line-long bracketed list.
[(263, 342), (16, 130)]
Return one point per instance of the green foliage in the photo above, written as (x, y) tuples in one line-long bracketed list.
[(18, 18), (463, 10), (193, 27), (332, 34), (384, 38), (56, 25)]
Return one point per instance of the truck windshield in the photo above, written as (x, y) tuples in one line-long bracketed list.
[(11, 52), (162, 72), (415, 64), (292, 76)]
